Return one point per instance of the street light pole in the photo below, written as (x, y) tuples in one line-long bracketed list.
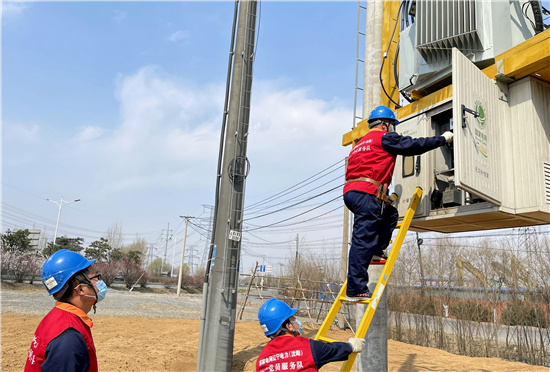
[(60, 205), (182, 252)]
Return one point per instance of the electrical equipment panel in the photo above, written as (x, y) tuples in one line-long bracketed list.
[(478, 181)]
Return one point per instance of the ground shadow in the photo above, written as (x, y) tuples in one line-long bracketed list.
[(244, 356), (408, 364)]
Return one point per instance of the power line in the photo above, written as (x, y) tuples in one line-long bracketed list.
[(293, 205), (300, 214), (291, 187), (297, 196), (27, 214)]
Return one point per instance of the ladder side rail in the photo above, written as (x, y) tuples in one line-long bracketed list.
[(385, 276), (331, 313)]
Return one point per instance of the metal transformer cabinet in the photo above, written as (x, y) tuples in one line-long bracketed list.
[(496, 174)]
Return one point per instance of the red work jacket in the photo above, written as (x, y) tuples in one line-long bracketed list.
[(59, 319), (369, 159), (286, 353)]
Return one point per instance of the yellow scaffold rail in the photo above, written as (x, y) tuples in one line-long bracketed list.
[(378, 291)]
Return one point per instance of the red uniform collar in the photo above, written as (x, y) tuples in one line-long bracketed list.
[(76, 311)]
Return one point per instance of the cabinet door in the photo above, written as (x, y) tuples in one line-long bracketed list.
[(476, 139), (413, 171)]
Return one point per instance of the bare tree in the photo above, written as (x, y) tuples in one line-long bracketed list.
[(114, 236), (139, 245)]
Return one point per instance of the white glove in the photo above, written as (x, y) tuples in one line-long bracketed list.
[(357, 344), (448, 136)]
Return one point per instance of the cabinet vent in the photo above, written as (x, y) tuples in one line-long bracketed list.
[(446, 24)]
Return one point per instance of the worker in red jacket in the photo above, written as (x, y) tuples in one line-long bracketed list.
[(368, 175), (63, 340), (287, 351)]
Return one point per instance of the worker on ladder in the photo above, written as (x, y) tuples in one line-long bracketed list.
[(369, 172), (288, 351)]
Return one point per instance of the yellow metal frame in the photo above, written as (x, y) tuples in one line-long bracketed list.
[(378, 291), (390, 10), (532, 57)]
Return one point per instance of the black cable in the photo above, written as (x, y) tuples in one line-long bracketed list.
[(45, 220), (269, 242), (291, 187), (386, 55), (300, 202), (297, 196), (524, 9), (286, 219), (537, 13), (259, 24)]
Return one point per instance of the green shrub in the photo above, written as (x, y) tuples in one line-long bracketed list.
[(471, 310), (520, 313)]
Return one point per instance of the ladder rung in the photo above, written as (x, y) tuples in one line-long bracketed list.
[(326, 339), (398, 226), (365, 302)]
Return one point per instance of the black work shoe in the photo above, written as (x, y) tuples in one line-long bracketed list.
[(359, 297)]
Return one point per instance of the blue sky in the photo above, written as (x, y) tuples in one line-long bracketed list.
[(119, 104)]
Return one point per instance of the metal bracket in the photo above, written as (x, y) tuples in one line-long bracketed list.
[(469, 111)]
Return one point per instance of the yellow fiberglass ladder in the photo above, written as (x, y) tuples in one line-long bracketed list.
[(380, 286)]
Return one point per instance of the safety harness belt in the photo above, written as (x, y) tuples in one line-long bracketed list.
[(381, 192)]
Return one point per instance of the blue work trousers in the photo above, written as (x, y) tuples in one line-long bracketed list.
[(372, 230)]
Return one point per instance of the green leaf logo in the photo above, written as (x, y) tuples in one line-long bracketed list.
[(481, 118)]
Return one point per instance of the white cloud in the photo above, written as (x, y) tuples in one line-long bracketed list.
[(169, 131), (181, 35), (20, 143), (15, 132), (120, 15), (89, 133), (13, 9)]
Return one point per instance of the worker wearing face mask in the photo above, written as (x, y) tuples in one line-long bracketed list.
[(63, 340), (287, 351)]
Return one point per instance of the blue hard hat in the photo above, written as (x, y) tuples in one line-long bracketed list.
[(382, 113), (60, 267), (273, 314)]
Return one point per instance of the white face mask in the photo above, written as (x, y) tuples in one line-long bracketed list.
[(102, 290)]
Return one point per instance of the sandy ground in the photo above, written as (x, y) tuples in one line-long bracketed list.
[(156, 344)]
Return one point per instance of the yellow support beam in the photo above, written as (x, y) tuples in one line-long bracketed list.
[(390, 10), (529, 61)]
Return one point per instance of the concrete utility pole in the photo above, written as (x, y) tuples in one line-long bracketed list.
[(180, 274), (166, 248), (344, 262), (374, 357), (220, 296)]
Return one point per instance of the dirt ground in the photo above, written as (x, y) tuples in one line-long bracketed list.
[(146, 344)]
